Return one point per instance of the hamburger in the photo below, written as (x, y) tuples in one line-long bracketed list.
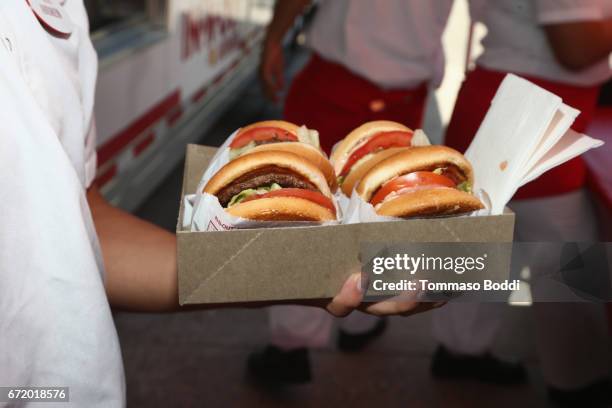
[(421, 181), (279, 135), (273, 186), (359, 147)]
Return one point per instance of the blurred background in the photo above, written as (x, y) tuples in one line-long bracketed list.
[(174, 72)]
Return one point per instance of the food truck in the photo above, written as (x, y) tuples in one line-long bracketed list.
[(167, 70)]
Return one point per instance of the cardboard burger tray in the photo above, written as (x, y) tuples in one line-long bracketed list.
[(274, 264)]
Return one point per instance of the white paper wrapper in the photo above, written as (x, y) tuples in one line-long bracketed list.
[(204, 213), (343, 202)]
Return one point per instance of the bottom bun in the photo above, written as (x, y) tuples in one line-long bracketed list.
[(281, 209), (430, 202)]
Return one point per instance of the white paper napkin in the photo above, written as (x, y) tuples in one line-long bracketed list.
[(526, 133)]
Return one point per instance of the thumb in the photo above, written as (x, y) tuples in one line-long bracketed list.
[(349, 298)]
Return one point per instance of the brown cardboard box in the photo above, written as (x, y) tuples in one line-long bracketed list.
[(261, 265)]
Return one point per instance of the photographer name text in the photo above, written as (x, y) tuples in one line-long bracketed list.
[(425, 285)]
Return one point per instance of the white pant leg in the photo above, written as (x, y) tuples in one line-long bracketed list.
[(358, 322), (293, 327), (467, 328), (572, 338), (573, 343), (471, 328)]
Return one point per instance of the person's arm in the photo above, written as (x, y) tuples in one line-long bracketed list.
[(141, 273), (139, 257), (579, 45), (272, 65)]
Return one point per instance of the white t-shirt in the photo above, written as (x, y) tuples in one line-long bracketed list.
[(56, 328), (516, 40), (392, 43)]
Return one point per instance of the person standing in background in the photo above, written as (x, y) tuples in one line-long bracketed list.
[(562, 46), (371, 60)]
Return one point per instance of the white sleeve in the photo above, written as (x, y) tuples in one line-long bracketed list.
[(56, 328), (91, 156), (567, 11)]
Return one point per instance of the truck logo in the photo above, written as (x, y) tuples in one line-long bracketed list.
[(216, 33)]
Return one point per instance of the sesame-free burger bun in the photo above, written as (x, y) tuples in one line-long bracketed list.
[(281, 124), (421, 158), (351, 142), (307, 151), (251, 162), (281, 209), (364, 165), (436, 201)]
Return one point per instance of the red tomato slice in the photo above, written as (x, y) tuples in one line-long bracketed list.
[(263, 133), (380, 141), (410, 180), (313, 196)]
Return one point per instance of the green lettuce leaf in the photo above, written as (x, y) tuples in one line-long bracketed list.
[(241, 196), (309, 136), (465, 187), (234, 153)]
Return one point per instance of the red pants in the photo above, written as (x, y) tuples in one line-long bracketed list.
[(331, 99), (473, 102)]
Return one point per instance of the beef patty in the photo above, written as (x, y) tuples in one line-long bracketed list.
[(264, 177)]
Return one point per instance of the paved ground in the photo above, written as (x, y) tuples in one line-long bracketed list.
[(197, 359)]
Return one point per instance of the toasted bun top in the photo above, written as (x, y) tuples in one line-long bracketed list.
[(281, 124), (358, 137), (281, 209), (249, 162), (364, 165), (410, 160), (307, 151), (430, 202)]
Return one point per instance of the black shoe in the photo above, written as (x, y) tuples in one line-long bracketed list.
[(278, 367), (485, 368), (595, 395), (356, 342)]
